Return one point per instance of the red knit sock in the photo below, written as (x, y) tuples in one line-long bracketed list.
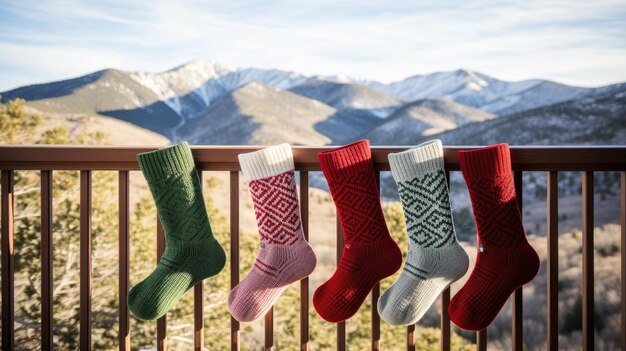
[(505, 260), (369, 253)]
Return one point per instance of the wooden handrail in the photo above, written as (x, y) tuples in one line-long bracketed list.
[(224, 158)]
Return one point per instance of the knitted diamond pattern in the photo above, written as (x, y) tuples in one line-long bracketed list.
[(427, 211), (276, 208)]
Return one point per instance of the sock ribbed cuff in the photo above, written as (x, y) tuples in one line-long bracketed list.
[(423, 159), (267, 162), (347, 159), (486, 162), (161, 163)]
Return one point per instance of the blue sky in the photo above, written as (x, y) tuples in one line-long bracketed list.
[(575, 42)]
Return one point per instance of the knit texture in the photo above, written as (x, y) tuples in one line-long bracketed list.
[(192, 253), (369, 253), (505, 260), (285, 256), (435, 259)]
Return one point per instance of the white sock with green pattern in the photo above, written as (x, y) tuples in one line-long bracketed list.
[(435, 259)]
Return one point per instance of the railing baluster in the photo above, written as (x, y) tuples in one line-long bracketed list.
[(161, 332), (269, 330), (234, 252), (124, 257), (553, 262), (481, 340), (410, 337), (588, 312), (517, 307), (8, 312), (445, 302), (304, 283), (445, 320), (375, 319), (623, 255), (198, 305), (85, 260), (375, 295), (341, 326), (46, 260), (198, 316)]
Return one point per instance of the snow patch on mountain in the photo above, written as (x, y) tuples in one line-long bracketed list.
[(479, 90), (191, 88), (170, 86)]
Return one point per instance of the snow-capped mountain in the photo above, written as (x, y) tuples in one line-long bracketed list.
[(480, 91), (191, 88), (167, 102), (190, 82)]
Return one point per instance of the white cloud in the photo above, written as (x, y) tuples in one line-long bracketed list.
[(577, 43), (45, 63)]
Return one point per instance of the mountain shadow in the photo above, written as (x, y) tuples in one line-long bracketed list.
[(223, 123), (157, 117), (347, 125)]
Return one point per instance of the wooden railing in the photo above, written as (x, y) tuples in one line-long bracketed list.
[(123, 159)]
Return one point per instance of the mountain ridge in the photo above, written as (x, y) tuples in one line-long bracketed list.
[(424, 118), (165, 102), (598, 119), (247, 116)]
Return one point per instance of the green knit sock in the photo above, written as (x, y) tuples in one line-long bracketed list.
[(192, 253)]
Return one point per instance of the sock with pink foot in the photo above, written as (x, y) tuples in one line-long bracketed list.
[(285, 256)]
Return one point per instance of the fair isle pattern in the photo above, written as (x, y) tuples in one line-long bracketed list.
[(358, 203), (284, 257), (497, 221), (435, 259), (426, 205), (276, 208)]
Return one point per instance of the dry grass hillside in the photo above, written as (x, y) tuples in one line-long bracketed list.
[(118, 132)]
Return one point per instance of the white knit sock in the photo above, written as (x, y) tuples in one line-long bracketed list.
[(435, 259)]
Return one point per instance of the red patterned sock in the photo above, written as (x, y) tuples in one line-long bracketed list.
[(369, 253), (505, 259)]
